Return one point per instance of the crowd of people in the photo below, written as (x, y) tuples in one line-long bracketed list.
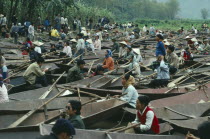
[(89, 41)]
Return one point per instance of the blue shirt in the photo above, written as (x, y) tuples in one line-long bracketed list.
[(160, 49)]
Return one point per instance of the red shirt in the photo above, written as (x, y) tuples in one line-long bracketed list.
[(155, 124)]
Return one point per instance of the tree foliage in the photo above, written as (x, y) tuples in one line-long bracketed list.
[(204, 13)]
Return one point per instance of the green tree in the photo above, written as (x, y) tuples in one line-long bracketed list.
[(204, 13)]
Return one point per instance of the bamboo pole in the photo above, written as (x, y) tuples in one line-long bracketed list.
[(73, 60), (132, 126), (188, 116), (51, 88)]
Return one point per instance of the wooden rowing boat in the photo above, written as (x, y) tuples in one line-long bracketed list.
[(188, 98), (33, 132)]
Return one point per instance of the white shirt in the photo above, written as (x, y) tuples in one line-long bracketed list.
[(67, 50), (3, 94), (38, 49), (100, 35), (122, 51), (31, 30), (149, 119), (80, 44), (66, 21), (62, 20), (145, 29), (4, 21), (97, 44)]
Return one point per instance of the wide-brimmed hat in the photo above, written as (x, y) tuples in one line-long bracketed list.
[(194, 40), (37, 43), (167, 43), (1, 15), (188, 37), (90, 41), (205, 40), (137, 51), (83, 28), (73, 40), (123, 42)]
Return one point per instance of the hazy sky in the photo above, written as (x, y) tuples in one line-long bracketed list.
[(191, 8)]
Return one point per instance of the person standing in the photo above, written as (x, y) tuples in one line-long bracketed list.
[(4, 69), (3, 91), (14, 32), (46, 24), (62, 22), (160, 49), (80, 46), (74, 23), (14, 19), (79, 24), (31, 31)]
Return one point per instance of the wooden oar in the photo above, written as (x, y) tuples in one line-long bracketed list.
[(188, 116), (114, 80), (12, 75), (27, 115), (73, 60), (89, 84), (51, 88), (56, 60), (90, 67), (132, 126)]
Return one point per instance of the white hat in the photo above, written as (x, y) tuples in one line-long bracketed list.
[(90, 41), (205, 40), (83, 28), (123, 42), (167, 43), (188, 37), (1, 15), (194, 40), (73, 40), (132, 32), (137, 51), (165, 40), (105, 31), (37, 43), (19, 24)]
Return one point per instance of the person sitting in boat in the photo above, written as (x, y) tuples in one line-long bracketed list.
[(35, 75), (52, 48), (73, 109), (206, 47), (62, 129), (34, 56), (28, 43), (66, 50), (137, 54), (73, 45), (133, 67), (129, 53), (3, 70), (99, 71), (172, 59), (115, 47), (108, 63), (75, 73), (187, 56), (129, 93), (97, 43), (149, 123), (38, 47), (90, 46), (122, 50), (3, 91), (162, 74), (160, 49), (203, 131)]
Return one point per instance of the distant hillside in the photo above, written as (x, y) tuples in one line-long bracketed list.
[(191, 8)]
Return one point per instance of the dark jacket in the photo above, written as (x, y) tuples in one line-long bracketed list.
[(77, 122), (74, 74)]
